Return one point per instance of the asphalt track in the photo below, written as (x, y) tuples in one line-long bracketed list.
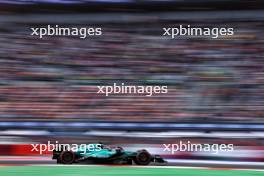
[(86, 170), (42, 161), (44, 166)]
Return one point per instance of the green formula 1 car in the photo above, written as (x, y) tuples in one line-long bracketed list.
[(101, 154)]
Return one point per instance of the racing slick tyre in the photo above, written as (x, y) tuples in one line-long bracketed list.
[(66, 157), (142, 158)]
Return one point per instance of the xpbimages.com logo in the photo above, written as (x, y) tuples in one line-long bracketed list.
[(132, 89), (49, 147), (57, 30), (190, 147)]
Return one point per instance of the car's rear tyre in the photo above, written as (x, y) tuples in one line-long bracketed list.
[(143, 157), (66, 157)]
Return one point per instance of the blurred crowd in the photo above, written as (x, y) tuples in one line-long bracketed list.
[(56, 78)]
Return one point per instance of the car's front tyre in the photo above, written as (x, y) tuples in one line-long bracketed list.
[(143, 157)]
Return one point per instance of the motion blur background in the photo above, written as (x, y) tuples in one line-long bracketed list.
[(215, 86)]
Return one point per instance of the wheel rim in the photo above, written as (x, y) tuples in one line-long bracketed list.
[(143, 157)]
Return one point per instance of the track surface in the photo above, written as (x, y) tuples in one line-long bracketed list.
[(44, 166), (14, 161), (122, 171)]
